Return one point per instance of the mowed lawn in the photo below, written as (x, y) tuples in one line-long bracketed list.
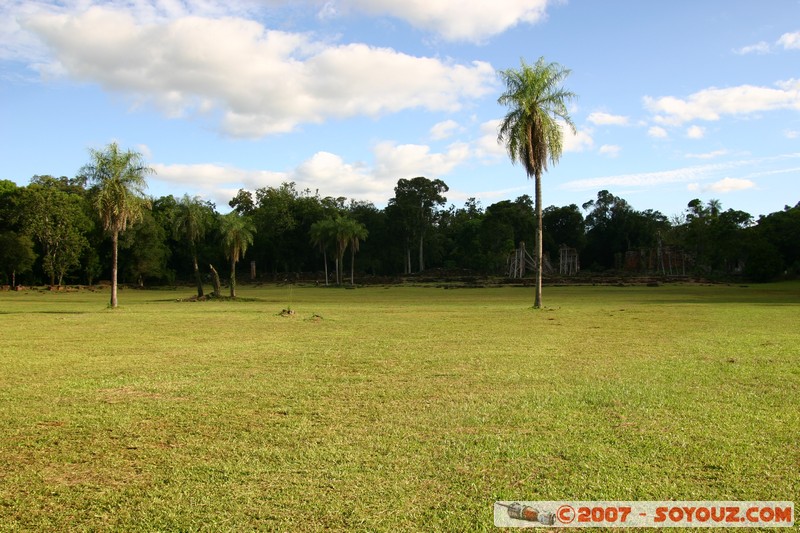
[(390, 408)]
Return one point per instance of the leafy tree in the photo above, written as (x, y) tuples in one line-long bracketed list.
[(237, 235), (462, 228), (243, 202), (16, 255), (563, 226), (191, 220), (414, 205), (782, 230), (372, 254), (145, 251), (118, 179), (531, 131), (57, 220)]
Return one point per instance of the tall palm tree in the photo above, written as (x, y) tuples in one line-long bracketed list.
[(358, 233), (237, 236), (531, 131), (322, 234), (119, 182), (190, 224), (341, 233)]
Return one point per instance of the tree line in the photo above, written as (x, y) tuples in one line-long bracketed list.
[(66, 230)]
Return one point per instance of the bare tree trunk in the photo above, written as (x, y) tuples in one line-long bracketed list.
[(352, 262), (408, 260), (537, 303), (233, 278), (197, 277), (215, 280), (421, 257), (114, 242)]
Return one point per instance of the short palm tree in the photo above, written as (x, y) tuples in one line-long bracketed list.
[(118, 179), (237, 236), (531, 131)]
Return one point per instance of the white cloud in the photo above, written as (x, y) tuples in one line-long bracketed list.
[(332, 176), (693, 174), (394, 161), (708, 155), (324, 172), (729, 185), (487, 146), (711, 104), (758, 48), (657, 132), (576, 141), (457, 20), (722, 186), (790, 40), (611, 150), (606, 119), (261, 81), (695, 132), (680, 175), (791, 134), (443, 130)]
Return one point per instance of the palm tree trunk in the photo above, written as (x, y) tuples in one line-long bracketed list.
[(537, 303), (114, 242), (233, 277), (197, 277), (325, 259), (215, 280), (352, 262)]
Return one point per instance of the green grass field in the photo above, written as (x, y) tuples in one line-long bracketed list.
[(390, 408)]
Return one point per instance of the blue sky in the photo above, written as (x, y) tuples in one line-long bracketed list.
[(676, 100)]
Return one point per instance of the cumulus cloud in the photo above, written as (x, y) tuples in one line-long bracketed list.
[(787, 41), (791, 134), (486, 146), (457, 20), (790, 40), (324, 172), (443, 130), (730, 184), (695, 132), (577, 141), (723, 186), (610, 150), (657, 132), (393, 161), (259, 81), (711, 104), (607, 119)]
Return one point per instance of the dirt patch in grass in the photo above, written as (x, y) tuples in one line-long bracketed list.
[(212, 298)]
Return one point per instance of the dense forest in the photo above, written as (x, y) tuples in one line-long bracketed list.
[(50, 233)]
